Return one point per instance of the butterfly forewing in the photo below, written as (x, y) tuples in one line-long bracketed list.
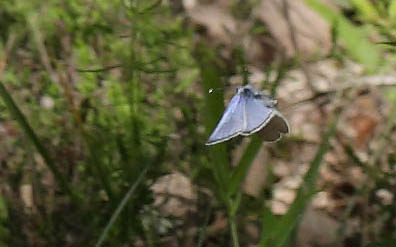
[(232, 122)]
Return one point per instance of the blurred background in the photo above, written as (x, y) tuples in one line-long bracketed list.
[(105, 109)]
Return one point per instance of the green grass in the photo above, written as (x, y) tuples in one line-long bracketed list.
[(129, 84)]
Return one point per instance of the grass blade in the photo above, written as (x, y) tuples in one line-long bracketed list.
[(120, 207), (242, 168), (268, 220), (203, 229), (214, 109), (280, 233), (23, 123)]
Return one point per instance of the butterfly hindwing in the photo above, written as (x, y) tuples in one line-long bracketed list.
[(275, 128)]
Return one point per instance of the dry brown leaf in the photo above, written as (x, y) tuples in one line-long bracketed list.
[(311, 32)]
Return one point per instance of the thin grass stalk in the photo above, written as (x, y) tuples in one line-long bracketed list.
[(94, 160), (131, 85), (234, 231), (240, 171), (233, 203), (219, 157), (203, 229), (214, 109), (281, 73), (120, 207)]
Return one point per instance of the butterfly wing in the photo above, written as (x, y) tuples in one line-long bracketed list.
[(232, 123), (250, 111), (275, 128), (257, 114), (263, 117)]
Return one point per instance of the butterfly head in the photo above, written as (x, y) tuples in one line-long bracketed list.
[(247, 89), (250, 91)]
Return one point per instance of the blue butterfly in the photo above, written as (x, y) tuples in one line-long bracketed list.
[(248, 112)]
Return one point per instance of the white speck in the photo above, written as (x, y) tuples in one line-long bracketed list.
[(385, 196), (189, 4), (47, 102)]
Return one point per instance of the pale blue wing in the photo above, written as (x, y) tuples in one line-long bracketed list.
[(257, 114), (232, 123), (263, 117), (250, 111)]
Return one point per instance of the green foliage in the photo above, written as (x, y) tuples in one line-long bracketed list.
[(117, 121), (392, 10), (128, 90), (366, 9), (353, 37)]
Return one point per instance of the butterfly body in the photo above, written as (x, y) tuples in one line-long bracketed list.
[(248, 112)]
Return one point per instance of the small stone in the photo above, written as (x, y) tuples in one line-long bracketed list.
[(26, 192), (47, 102), (385, 196), (278, 208), (172, 192), (284, 195), (292, 182), (321, 200)]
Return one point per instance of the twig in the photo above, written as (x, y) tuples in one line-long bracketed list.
[(32, 19), (366, 81), (7, 50), (99, 69), (384, 142)]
